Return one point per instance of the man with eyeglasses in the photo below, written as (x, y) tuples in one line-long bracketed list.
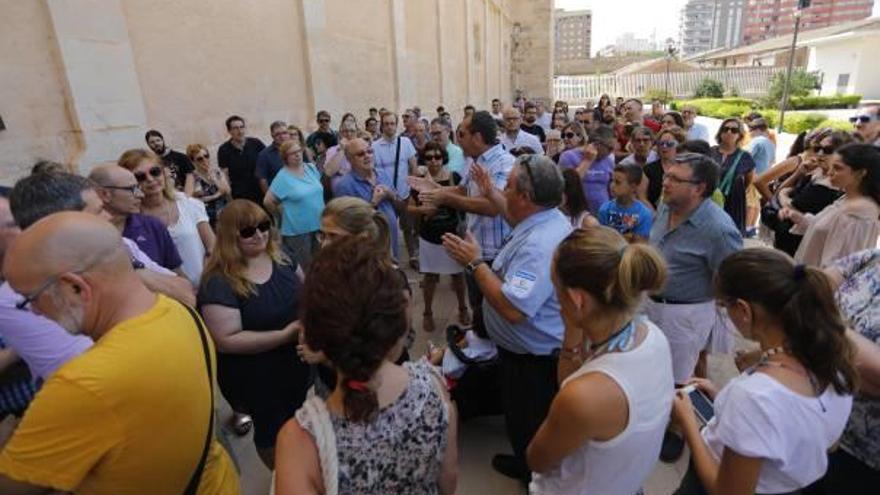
[(695, 130), (694, 235), (371, 184), (521, 310), (111, 420), (515, 138), (121, 196), (440, 132), (269, 161), (642, 144), (867, 125), (237, 157)]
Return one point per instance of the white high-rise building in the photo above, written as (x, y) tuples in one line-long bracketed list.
[(708, 24)]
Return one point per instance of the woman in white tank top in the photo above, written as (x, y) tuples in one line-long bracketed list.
[(605, 427), (774, 424)]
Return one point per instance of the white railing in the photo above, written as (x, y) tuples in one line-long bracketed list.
[(577, 90)]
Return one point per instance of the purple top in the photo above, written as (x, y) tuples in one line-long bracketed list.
[(153, 238), (595, 182), (42, 344)]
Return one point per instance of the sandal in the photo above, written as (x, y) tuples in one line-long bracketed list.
[(428, 322), (464, 317), (241, 423)]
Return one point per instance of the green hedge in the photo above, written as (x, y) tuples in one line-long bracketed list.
[(711, 107), (820, 102)]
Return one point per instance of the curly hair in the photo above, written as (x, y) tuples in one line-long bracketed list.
[(354, 311)]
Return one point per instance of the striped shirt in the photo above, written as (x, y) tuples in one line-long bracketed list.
[(490, 232)]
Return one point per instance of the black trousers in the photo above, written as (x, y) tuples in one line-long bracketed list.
[(475, 298), (528, 386), (846, 474)]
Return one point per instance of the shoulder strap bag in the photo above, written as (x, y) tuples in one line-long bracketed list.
[(193, 486)]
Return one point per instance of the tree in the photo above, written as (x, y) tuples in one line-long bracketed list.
[(709, 88), (802, 83)]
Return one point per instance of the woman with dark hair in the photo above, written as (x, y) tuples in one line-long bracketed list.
[(615, 368), (559, 119), (249, 299), (574, 138), (807, 190), (384, 428), (851, 223), (574, 203), (433, 223), (770, 181), (668, 142), (672, 119), (737, 169), (774, 423), (599, 109)]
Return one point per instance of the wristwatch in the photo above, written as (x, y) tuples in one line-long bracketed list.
[(471, 267)]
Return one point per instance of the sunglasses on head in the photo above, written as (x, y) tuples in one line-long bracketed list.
[(732, 129), (155, 171), (862, 119), (250, 231)]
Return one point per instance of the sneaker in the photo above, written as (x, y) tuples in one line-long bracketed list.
[(511, 467), (673, 446)]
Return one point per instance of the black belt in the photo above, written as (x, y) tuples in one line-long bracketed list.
[(663, 300)]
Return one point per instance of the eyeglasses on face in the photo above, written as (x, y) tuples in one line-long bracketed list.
[(154, 171), (433, 156), (667, 144), (133, 189), (569, 135), (250, 231), (678, 180), (30, 298), (323, 121), (364, 152), (733, 129), (202, 157), (863, 119), (826, 150)]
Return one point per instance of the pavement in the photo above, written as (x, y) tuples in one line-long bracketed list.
[(480, 438)]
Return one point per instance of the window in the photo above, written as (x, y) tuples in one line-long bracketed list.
[(842, 83)]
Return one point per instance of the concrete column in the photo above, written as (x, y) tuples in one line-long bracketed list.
[(469, 48), (104, 93), (441, 62), (485, 32), (402, 90), (314, 22)]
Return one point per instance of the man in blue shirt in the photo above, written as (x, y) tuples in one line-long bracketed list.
[(370, 184), (440, 131), (694, 235), (269, 161), (521, 312), (761, 147), (477, 135)]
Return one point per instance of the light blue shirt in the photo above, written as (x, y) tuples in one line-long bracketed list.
[(302, 200), (351, 184), (524, 267), (490, 232), (694, 250), (456, 158), (383, 155), (523, 138), (698, 131), (763, 152)]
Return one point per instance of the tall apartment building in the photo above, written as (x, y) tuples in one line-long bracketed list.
[(708, 24), (771, 18), (573, 32)]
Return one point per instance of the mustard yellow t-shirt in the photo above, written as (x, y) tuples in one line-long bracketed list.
[(129, 416)]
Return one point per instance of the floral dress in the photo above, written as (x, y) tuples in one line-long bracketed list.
[(859, 300)]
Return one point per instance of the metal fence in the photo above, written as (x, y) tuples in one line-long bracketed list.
[(578, 90)]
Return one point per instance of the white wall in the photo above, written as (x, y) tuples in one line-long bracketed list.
[(854, 56)]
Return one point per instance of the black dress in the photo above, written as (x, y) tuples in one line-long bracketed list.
[(735, 200), (271, 385)]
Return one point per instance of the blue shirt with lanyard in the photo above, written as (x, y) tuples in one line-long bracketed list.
[(523, 265)]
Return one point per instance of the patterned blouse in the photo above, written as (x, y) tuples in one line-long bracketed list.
[(402, 449), (859, 300)]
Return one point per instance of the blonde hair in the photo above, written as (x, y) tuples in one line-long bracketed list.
[(599, 261), (131, 159), (227, 260), (285, 149), (357, 217)]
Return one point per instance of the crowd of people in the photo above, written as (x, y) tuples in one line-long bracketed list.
[(596, 256)]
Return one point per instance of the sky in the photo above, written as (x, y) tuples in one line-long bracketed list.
[(611, 18)]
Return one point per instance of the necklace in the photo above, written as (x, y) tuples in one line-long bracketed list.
[(620, 340), (765, 361)]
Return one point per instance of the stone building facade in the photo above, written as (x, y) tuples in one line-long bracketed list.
[(83, 80)]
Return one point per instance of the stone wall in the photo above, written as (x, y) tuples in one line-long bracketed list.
[(82, 80)]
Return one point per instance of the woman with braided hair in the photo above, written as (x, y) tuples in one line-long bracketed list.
[(384, 428), (774, 424)]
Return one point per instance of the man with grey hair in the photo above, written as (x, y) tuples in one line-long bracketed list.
[(867, 125), (269, 161), (521, 311), (695, 130), (440, 132), (515, 138), (694, 235)]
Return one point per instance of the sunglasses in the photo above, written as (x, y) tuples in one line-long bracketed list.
[(250, 231), (862, 119), (827, 150), (202, 158), (433, 156), (734, 130), (667, 144), (155, 171), (569, 135), (323, 121)]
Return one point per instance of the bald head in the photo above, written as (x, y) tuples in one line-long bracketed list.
[(62, 242), (109, 174)]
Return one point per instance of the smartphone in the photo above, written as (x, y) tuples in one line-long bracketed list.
[(703, 407)]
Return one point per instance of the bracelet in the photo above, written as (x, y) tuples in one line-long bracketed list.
[(575, 352)]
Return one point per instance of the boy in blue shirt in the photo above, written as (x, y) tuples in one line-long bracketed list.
[(625, 213)]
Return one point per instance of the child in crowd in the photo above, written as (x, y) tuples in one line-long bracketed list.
[(624, 213)]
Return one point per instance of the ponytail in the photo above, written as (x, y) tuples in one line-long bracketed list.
[(599, 261), (802, 299)]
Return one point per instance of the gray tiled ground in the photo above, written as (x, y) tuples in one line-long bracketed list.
[(481, 438)]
